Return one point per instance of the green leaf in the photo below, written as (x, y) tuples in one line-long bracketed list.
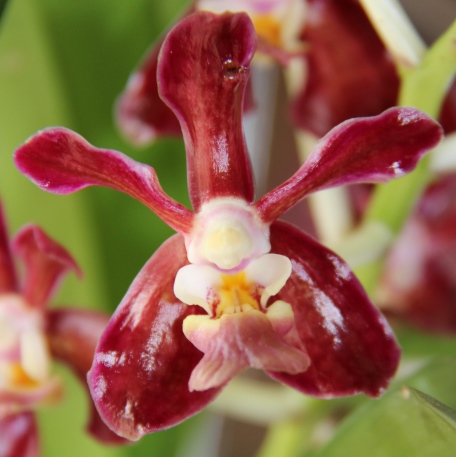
[(418, 344), (434, 73), (415, 418)]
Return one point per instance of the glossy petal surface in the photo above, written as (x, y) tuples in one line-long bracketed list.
[(349, 72), (202, 74), (60, 161), (46, 262), (19, 436), (73, 335), (139, 378), (8, 280), (371, 149), (350, 346)]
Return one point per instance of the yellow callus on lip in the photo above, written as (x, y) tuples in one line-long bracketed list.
[(236, 294)]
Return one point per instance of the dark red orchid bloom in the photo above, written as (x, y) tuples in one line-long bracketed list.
[(235, 287), (349, 73), (419, 280), (30, 335)]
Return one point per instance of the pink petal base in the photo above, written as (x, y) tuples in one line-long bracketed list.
[(19, 436), (241, 340)]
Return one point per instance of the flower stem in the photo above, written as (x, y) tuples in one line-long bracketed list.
[(282, 440)]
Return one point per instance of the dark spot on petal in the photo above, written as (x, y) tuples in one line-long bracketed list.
[(231, 69)]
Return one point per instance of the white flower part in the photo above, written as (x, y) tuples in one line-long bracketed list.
[(270, 271), (22, 339), (200, 330), (227, 232), (8, 333), (281, 316), (194, 285), (35, 357), (206, 286), (15, 317)]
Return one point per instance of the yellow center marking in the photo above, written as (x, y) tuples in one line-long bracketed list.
[(236, 295), (19, 378), (268, 28)]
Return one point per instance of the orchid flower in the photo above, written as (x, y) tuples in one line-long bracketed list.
[(330, 38), (419, 279), (234, 288), (30, 335)]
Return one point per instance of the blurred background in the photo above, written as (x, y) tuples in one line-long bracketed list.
[(65, 63)]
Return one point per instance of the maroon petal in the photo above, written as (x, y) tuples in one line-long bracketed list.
[(371, 149), (46, 262), (203, 70), (349, 72), (141, 114), (8, 280), (350, 346), (139, 378), (73, 335), (60, 161), (19, 436)]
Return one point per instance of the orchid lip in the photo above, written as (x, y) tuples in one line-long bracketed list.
[(221, 293)]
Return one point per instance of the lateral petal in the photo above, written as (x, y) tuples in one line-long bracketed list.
[(349, 343), (45, 261), (61, 161), (73, 335), (202, 73), (139, 378), (370, 149), (19, 436)]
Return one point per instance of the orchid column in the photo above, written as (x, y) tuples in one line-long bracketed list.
[(234, 288)]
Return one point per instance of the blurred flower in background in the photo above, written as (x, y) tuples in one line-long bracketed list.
[(31, 335), (325, 39)]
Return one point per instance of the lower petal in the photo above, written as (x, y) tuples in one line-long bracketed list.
[(241, 340), (143, 361), (350, 344)]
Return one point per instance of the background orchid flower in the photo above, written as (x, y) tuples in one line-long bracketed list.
[(31, 336), (266, 294), (329, 37), (419, 280)]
